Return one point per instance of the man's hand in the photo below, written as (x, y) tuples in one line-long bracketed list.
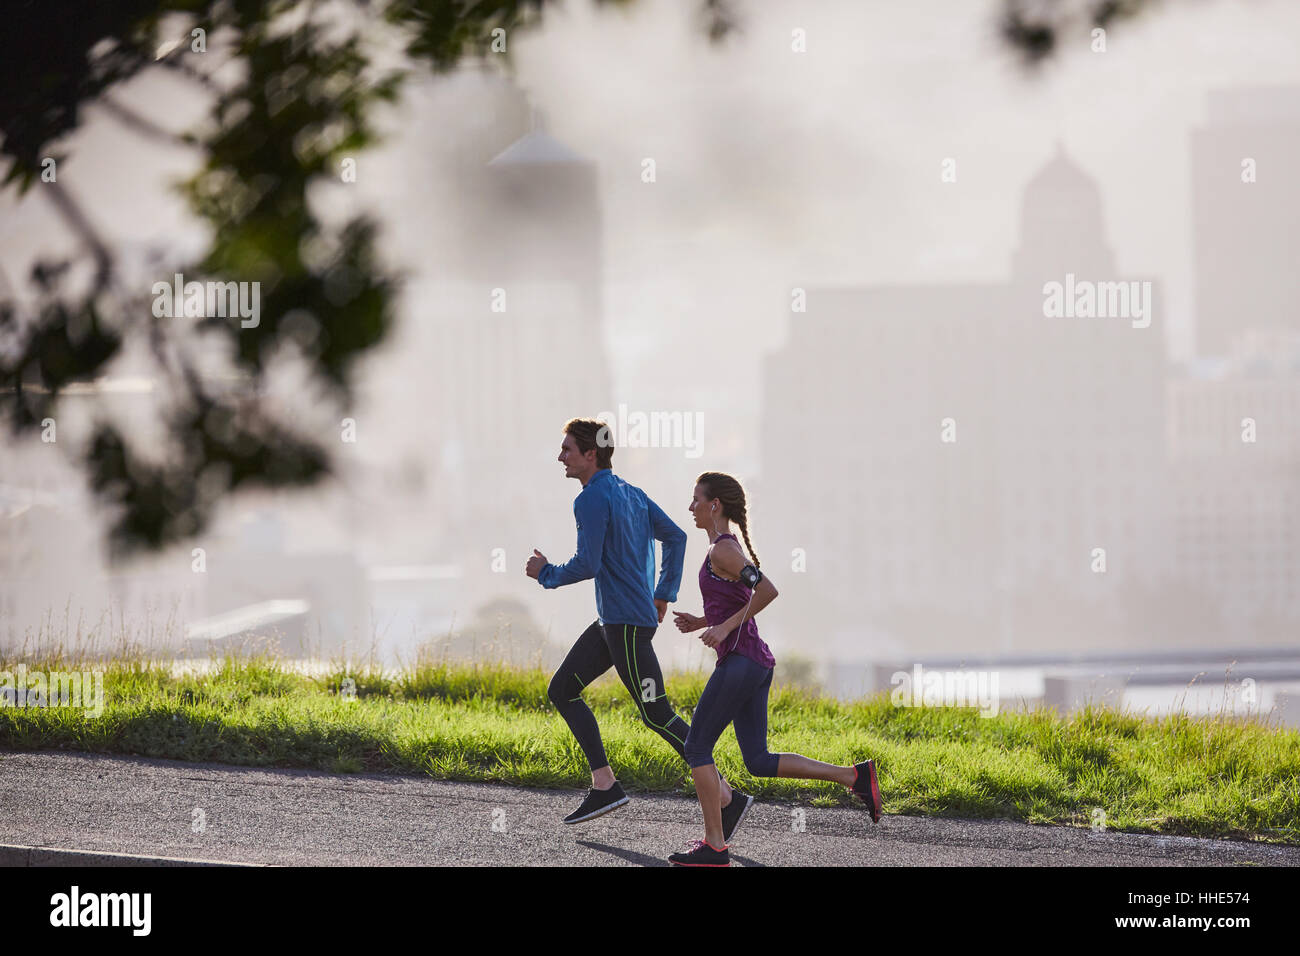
[(663, 609), (536, 563)]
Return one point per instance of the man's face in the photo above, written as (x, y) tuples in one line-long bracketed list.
[(575, 462)]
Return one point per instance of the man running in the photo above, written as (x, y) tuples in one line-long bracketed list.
[(617, 527)]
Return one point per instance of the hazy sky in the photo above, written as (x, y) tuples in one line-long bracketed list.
[(778, 168), (825, 165)]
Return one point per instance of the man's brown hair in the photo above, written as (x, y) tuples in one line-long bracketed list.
[(590, 433)]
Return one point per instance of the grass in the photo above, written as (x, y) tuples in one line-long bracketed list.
[(1214, 776)]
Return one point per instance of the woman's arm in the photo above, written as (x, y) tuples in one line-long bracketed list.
[(727, 557)]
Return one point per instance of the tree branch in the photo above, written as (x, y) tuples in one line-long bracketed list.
[(72, 214), (173, 62), (142, 124)]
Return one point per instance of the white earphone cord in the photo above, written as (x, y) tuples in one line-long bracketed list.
[(747, 603), (742, 620)]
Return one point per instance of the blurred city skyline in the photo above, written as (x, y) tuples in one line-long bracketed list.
[(919, 190)]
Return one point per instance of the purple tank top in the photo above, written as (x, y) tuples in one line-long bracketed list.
[(723, 598)]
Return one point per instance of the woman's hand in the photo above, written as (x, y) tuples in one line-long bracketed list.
[(688, 622), (720, 632), (715, 635)]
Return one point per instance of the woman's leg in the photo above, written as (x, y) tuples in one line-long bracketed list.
[(709, 791), (728, 685), (805, 768), (635, 660), (751, 734)]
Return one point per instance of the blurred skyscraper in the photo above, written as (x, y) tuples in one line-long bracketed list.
[(953, 455), (1245, 198)]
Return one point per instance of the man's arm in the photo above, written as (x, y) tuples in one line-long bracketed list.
[(674, 542), (592, 515)]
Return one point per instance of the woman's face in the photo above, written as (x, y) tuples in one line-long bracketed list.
[(700, 505)]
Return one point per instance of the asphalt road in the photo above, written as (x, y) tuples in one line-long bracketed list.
[(171, 808)]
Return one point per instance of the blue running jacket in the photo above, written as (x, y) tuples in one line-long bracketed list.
[(617, 528)]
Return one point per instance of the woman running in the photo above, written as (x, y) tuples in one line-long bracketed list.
[(734, 591)]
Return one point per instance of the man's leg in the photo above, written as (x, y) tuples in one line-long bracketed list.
[(638, 666), (586, 660)]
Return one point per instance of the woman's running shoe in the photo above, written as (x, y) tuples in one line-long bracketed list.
[(701, 854), (868, 788), (598, 802)]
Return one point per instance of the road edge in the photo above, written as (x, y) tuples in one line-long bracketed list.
[(12, 855)]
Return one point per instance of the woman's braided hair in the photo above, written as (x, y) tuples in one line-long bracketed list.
[(727, 490)]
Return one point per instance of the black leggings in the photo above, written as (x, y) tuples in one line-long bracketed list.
[(627, 648), (736, 694)]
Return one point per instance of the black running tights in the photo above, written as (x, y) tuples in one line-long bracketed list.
[(627, 648)]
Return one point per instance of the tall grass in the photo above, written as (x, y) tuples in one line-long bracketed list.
[(1206, 776)]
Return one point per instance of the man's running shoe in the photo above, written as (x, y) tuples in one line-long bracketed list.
[(868, 788), (734, 812), (701, 854), (598, 802)]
